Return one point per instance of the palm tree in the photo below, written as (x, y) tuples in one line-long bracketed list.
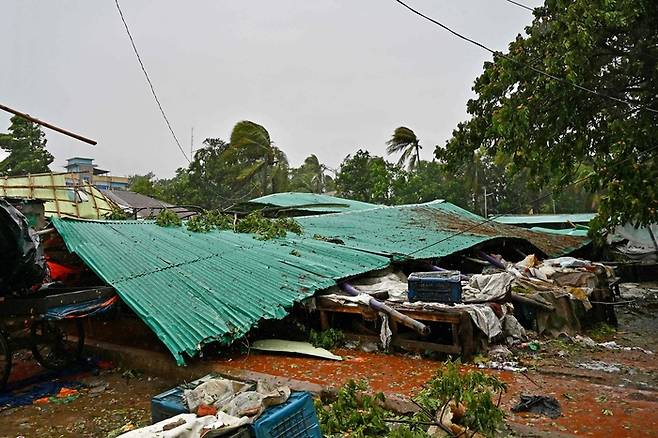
[(309, 177), (404, 140), (253, 151)]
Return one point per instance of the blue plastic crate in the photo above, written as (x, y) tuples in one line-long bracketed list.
[(172, 402), (296, 418), (438, 287), (167, 405)]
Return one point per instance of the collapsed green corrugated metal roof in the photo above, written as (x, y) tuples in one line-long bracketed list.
[(531, 219), (195, 288), (409, 230), (311, 202)]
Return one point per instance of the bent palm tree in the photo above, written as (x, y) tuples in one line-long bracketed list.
[(404, 140), (253, 151)]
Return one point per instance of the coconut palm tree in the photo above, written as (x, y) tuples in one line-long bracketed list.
[(404, 140), (252, 150)]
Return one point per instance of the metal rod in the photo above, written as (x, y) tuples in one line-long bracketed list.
[(47, 125), (381, 307)]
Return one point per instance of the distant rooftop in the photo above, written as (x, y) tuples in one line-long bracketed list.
[(531, 219), (311, 202)]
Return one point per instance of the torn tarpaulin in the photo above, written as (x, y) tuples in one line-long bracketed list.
[(22, 263)]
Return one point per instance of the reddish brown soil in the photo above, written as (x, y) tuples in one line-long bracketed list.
[(633, 410)]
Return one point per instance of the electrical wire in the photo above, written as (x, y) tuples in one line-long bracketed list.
[(511, 59), (520, 5), (518, 207), (148, 79)]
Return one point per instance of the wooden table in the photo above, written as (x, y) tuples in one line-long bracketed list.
[(463, 340)]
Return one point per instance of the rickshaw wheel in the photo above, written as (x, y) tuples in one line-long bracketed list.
[(53, 347)]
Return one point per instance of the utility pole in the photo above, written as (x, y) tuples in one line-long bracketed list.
[(486, 195), (192, 143)]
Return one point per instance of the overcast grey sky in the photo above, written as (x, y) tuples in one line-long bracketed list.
[(324, 77)]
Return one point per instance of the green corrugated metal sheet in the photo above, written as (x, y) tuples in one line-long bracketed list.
[(195, 288), (531, 219), (406, 230), (311, 202)]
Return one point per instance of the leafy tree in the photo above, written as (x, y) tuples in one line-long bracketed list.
[(404, 140), (177, 190), (26, 144), (309, 177), (549, 131), (143, 184), (428, 182), (366, 178)]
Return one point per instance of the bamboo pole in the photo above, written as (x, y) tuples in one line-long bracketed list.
[(381, 307), (47, 125)]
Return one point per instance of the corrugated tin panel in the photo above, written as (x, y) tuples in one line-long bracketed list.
[(194, 288), (407, 230), (312, 202), (530, 219)]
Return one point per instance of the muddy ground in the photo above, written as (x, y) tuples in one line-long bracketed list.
[(618, 399)]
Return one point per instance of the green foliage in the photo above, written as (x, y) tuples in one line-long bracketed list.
[(310, 177), (26, 144), (143, 184), (404, 140), (552, 134), (602, 332), (167, 218), (210, 220), (266, 229), (473, 388), (328, 339), (366, 178), (357, 414), (256, 223)]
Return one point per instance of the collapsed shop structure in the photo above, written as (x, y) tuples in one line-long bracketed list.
[(194, 289)]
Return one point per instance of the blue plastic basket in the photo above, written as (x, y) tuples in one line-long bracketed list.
[(296, 418)]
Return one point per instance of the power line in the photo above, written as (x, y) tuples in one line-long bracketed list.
[(509, 58), (513, 209), (148, 79), (520, 5)]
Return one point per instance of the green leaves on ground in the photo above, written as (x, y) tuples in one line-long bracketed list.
[(357, 414), (327, 339), (474, 389)]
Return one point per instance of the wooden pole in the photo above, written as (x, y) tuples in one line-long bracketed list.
[(47, 125)]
